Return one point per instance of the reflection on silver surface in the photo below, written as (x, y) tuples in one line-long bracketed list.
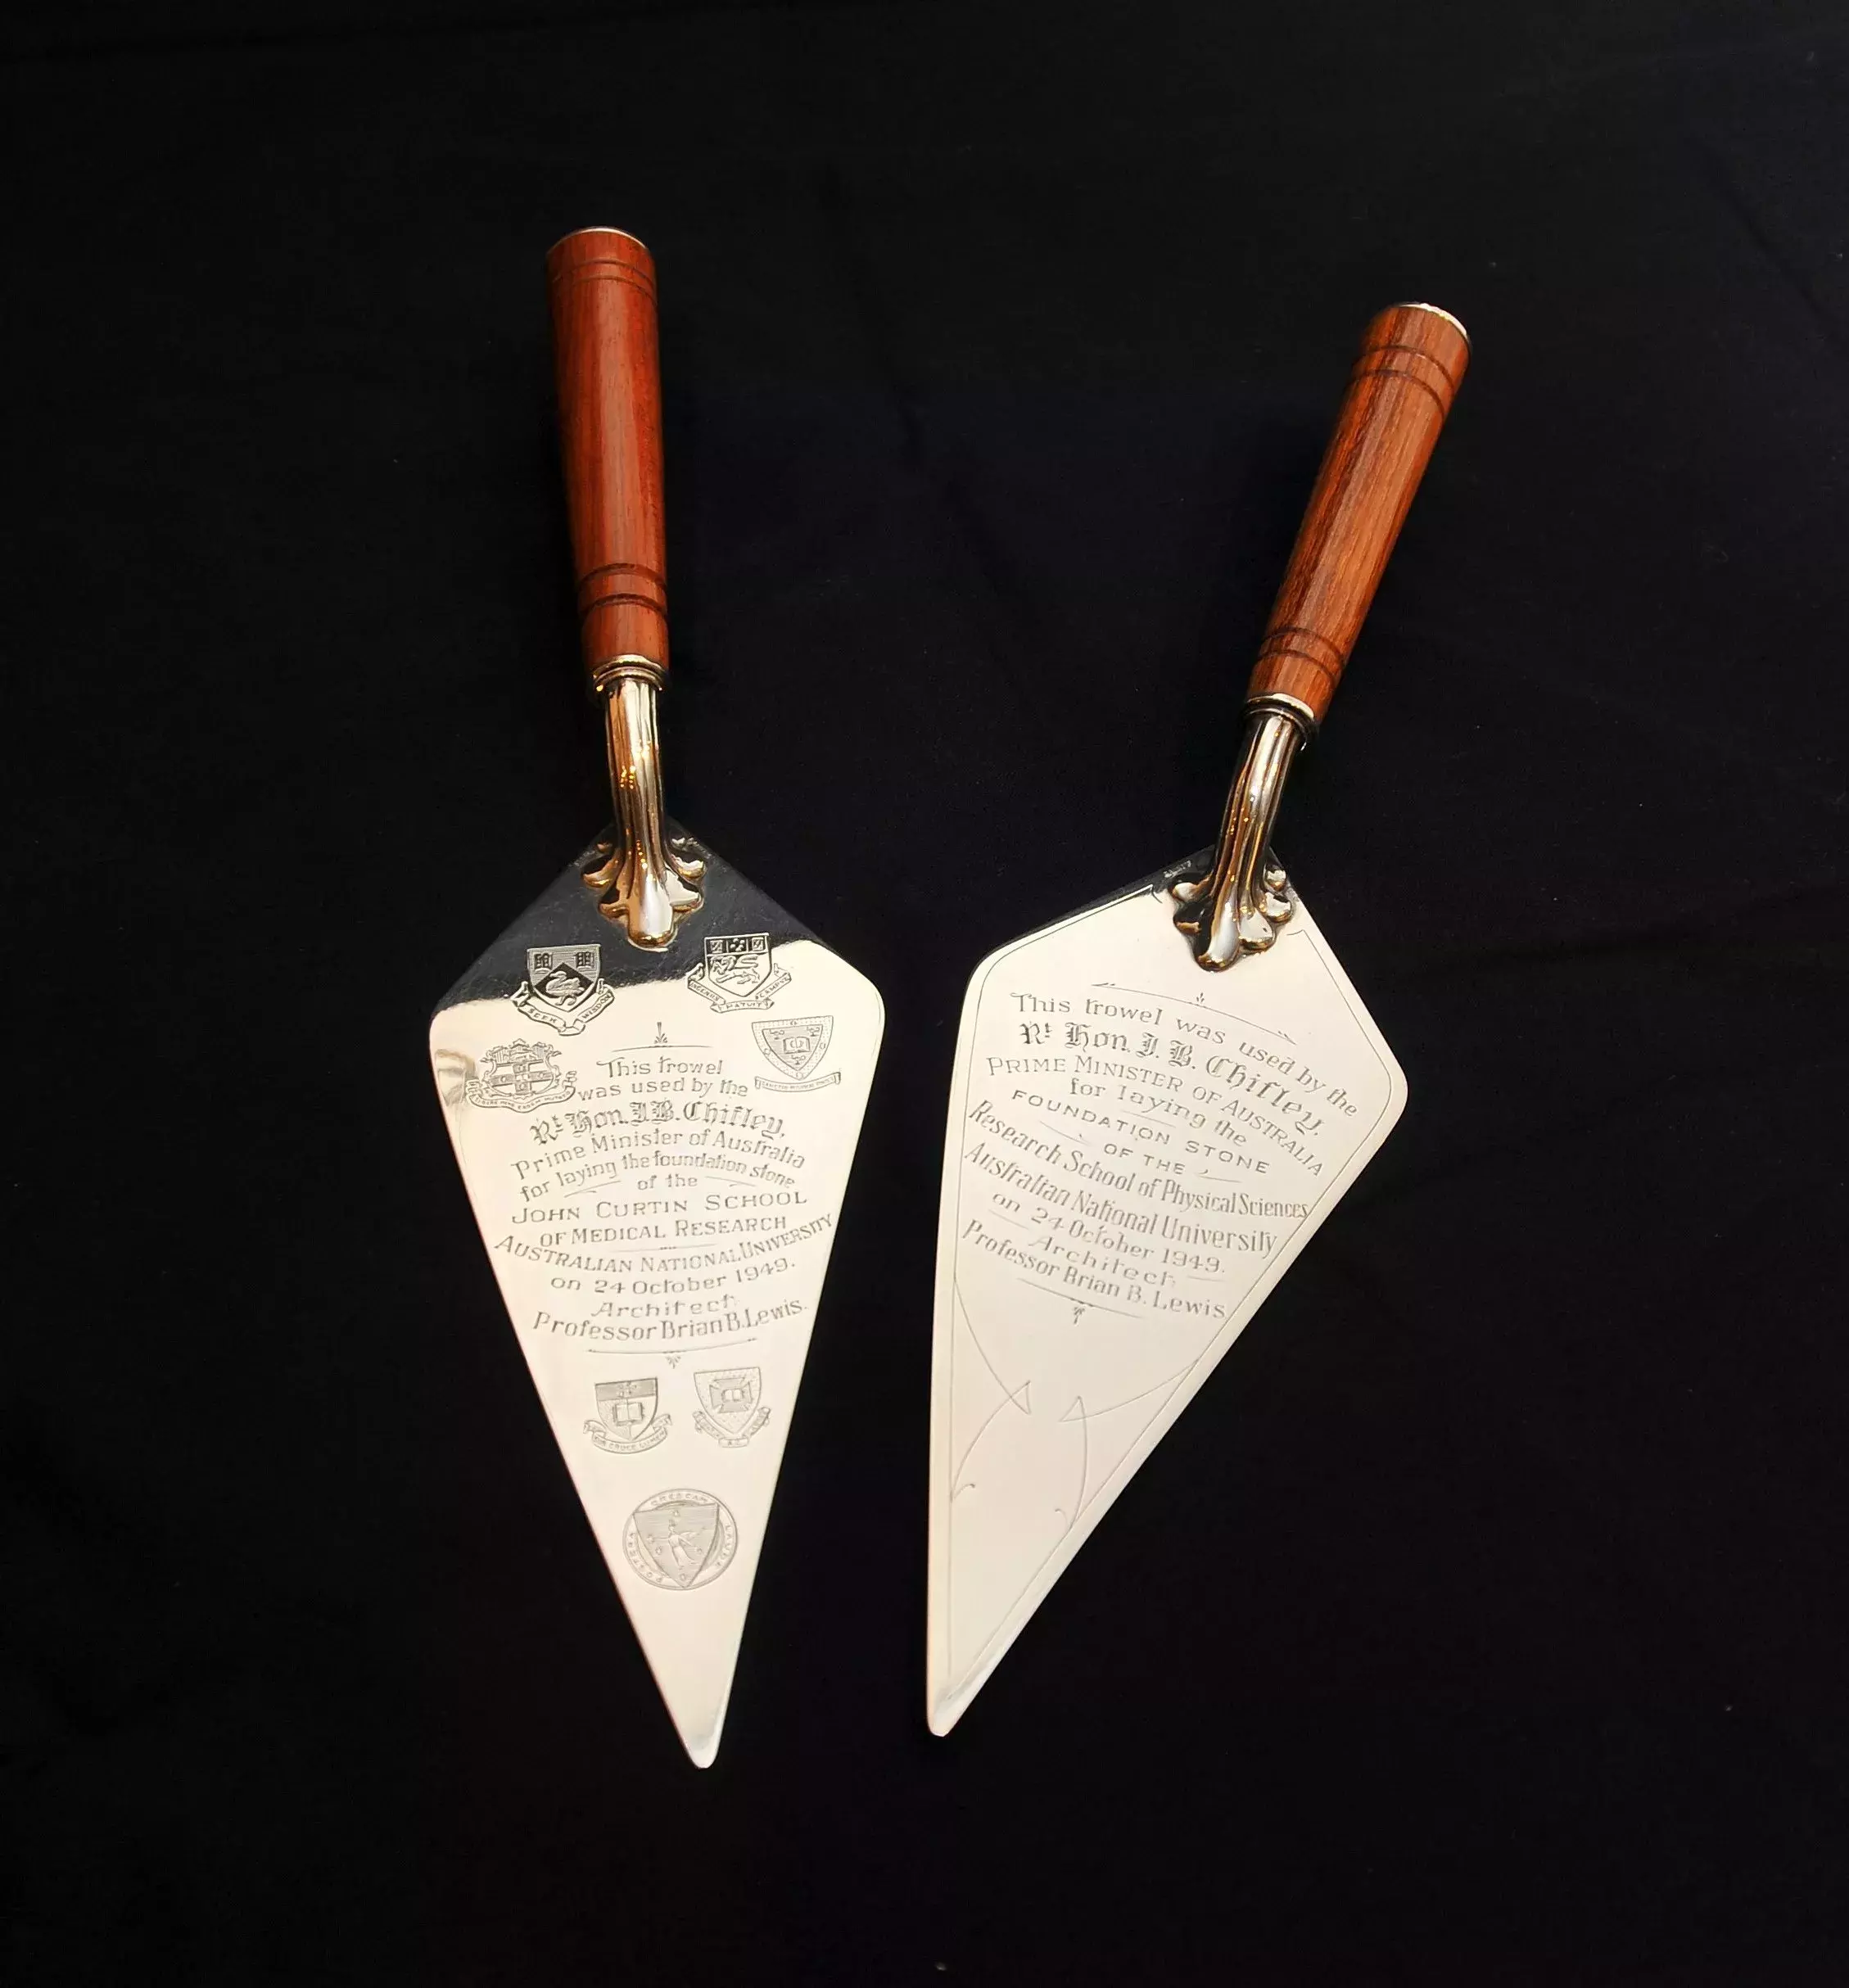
[(1238, 906), (650, 883)]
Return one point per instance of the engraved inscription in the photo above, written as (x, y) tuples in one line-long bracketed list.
[(1136, 1152), (663, 1204)]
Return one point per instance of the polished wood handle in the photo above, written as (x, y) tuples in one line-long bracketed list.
[(602, 286), (1413, 356)]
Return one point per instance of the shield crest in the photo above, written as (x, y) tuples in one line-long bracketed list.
[(518, 1076), (681, 1538), (627, 1415), (729, 1409), (564, 987), (737, 971), (739, 963), (626, 1407), (797, 1046)]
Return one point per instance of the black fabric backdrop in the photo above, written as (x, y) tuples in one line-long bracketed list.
[(1494, 1630)]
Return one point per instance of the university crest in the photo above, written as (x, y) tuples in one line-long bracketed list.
[(564, 987), (737, 972), (728, 1410), (519, 1077), (626, 1417), (796, 1047), (680, 1539)]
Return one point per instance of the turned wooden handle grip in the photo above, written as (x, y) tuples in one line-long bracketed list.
[(1413, 356), (602, 286)]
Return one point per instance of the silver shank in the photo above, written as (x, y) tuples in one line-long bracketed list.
[(1238, 906), (650, 883)]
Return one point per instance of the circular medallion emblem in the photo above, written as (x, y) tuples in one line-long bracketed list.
[(680, 1538)]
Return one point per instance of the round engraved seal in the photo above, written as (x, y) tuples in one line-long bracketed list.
[(680, 1538)]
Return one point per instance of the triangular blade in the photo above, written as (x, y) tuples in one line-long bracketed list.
[(655, 1145), (1137, 1152)]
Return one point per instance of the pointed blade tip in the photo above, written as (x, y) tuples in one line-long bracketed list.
[(699, 1734), (944, 1705)]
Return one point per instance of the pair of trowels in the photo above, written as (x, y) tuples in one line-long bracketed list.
[(1138, 1148), (654, 1081)]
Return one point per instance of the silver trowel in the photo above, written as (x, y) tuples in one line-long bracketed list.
[(1140, 1141), (654, 1081)]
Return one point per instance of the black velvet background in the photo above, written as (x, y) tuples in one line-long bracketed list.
[(1484, 1619)]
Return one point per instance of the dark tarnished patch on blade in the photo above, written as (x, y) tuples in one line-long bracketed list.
[(565, 914)]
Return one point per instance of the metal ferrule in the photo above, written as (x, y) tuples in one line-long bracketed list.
[(1291, 706), (650, 883), (1238, 907)]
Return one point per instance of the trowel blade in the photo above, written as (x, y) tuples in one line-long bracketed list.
[(656, 1145), (1137, 1152)]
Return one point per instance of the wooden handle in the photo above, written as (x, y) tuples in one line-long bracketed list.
[(1413, 356), (602, 286)]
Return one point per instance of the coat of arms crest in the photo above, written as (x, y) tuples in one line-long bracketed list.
[(626, 1417), (796, 1046), (564, 987), (728, 1410), (737, 972), (519, 1077), (680, 1539)]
